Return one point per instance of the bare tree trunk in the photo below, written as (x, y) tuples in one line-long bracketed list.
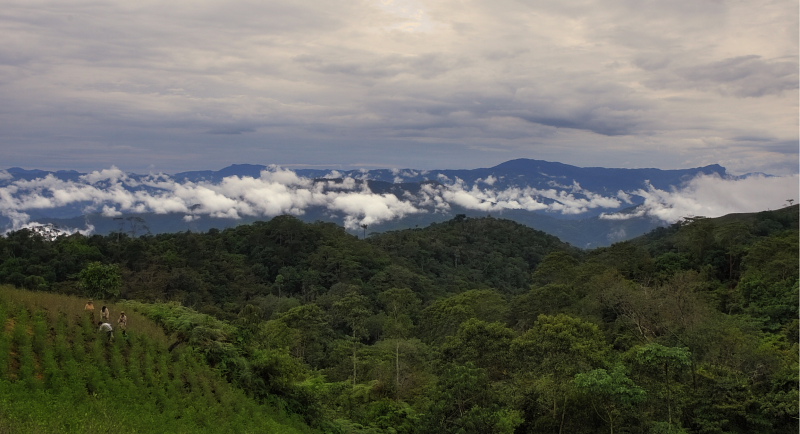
[(563, 414), (354, 359), (397, 369)]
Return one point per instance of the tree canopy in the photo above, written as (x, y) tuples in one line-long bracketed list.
[(471, 325)]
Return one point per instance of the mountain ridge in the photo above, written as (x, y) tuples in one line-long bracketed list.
[(568, 200)]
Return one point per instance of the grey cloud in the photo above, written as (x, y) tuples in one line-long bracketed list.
[(231, 131), (607, 115), (374, 70), (742, 77), (604, 109), (296, 17), (745, 76), (652, 62), (490, 82), (503, 54), (374, 67), (432, 65), (787, 147), (584, 121), (761, 139)]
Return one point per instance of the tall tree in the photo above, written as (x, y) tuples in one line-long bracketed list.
[(483, 343), (353, 310), (399, 304), (443, 317), (663, 367), (550, 354), (612, 394), (101, 280)]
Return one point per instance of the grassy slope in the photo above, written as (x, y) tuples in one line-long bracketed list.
[(58, 375)]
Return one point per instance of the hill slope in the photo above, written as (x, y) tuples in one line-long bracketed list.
[(471, 325), (58, 374)]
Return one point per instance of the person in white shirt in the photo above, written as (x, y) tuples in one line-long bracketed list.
[(106, 327)]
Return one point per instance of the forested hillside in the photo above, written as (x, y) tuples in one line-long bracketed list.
[(472, 325), (58, 374)]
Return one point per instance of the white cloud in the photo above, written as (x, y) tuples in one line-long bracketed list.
[(112, 175), (109, 211), (712, 196), (366, 208), (279, 191)]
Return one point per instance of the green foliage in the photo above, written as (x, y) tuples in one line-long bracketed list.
[(561, 345), (487, 345), (309, 326), (612, 393), (454, 255), (654, 358), (101, 280), (610, 387), (443, 317), (471, 325), (133, 384), (463, 402), (662, 369), (769, 285), (557, 268), (549, 299)]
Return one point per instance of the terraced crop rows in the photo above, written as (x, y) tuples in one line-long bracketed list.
[(58, 373)]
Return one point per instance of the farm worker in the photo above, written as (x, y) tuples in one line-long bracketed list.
[(89, 309), (106, 327), (105, 314), (123, 323)]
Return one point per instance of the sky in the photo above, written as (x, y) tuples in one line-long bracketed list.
[(165, 87)]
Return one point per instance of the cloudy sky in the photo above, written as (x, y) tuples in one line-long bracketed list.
[(150, 86)]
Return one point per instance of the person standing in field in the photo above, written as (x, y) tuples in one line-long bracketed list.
[(105, 314), (88, 309), (122, 322)]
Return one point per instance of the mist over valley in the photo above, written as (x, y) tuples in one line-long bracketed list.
[(585, 206)]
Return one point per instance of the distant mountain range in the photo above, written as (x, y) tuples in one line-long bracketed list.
[(572, 203), (515, 173)]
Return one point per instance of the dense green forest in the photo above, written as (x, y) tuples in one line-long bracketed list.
[(474, 325)]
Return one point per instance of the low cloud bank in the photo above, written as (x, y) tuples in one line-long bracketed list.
[(712, 196), (277, 191)]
